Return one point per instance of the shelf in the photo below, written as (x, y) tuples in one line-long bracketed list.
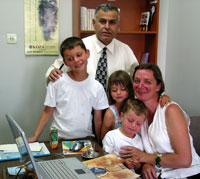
[(137, 32), (130, 15), (122, 32)]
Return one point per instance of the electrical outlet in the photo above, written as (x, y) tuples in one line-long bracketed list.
[(12, 38)]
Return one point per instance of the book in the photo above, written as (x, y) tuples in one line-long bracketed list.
[(114, 167), (66, 145), (87, 15), (144, 21), (9, 151), (144, 58), (84, 20)]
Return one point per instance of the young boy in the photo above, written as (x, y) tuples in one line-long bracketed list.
[(133, 116), (73, 96)]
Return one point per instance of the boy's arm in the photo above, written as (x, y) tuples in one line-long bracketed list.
[(98, 123), (164, 99), (45, 116)]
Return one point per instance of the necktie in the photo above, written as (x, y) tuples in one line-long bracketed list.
[(101, 72)]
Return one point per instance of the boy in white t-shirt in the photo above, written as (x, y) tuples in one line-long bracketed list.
[(73, 96), (133, 115)]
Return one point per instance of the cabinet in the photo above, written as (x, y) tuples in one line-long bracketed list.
[(130, 14)]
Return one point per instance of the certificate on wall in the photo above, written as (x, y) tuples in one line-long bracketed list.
[(41, 21)]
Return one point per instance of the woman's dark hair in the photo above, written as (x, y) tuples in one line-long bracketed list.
[(156, 72)]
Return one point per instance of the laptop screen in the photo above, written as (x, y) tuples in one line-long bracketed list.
[(22, 144)]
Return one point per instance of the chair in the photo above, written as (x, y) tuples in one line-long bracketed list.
[(195, 132)]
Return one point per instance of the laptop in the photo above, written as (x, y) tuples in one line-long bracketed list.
[(64, 168)]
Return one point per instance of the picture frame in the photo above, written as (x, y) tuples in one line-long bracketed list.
[(144, 21)]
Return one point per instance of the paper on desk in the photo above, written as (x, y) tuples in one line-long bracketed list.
[(35, 147), (115, 168), (12, 155)]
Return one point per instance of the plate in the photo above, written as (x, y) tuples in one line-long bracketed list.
[(91, 156)]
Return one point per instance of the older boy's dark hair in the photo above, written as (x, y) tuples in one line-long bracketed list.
[(156, 72), (106, 8), (119, 77), (70, 43), (135, 105)]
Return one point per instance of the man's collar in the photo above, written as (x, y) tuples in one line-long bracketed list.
[(99, 46)]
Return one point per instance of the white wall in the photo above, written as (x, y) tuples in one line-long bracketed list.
[(182, 74), (22, 86), (162, 36)]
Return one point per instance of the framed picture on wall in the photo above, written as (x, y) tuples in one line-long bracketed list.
[(41, 18)]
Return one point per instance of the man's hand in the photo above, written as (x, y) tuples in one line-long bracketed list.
[(55, 74)]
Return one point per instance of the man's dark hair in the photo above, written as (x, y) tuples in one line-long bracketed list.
[(106, 8)]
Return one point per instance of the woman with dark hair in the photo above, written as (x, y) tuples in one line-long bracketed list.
[(165, 134)]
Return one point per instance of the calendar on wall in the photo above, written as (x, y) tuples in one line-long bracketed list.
[(41, 21)]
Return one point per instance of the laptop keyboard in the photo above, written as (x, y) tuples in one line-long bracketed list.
[(57, 169)]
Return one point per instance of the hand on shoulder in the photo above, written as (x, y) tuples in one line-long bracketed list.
[(55, 74)]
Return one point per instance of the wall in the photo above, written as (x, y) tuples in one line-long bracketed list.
[(22, 86), (162, 36), (182, 54)]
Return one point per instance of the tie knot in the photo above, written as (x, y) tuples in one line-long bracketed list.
[(104, 50)]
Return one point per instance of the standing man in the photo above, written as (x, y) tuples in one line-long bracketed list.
[(118, 55)]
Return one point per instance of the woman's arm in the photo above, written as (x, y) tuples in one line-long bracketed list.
[(107, 123), (179, 137), (45, 116)]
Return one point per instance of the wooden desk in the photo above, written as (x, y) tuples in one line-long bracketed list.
[(55, 154)]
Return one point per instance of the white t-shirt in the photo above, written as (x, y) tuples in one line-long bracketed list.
[(73, 102), (119, 57), (114, 140)]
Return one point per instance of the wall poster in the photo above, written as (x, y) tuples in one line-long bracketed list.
[(41, 21)]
